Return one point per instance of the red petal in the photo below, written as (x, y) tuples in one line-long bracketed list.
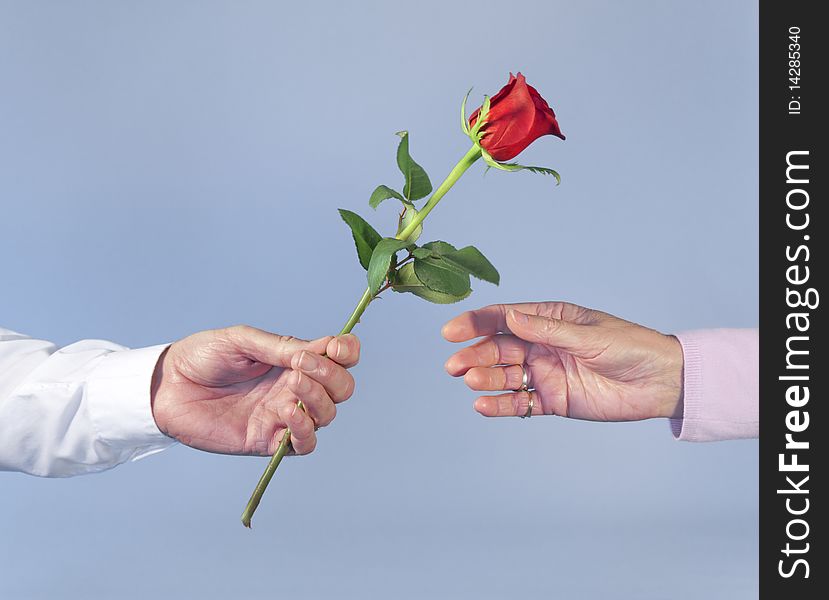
[(511, 121), (495, 99)]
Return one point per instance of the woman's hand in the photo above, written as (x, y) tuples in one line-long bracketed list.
[(235, 390), (582, 363)]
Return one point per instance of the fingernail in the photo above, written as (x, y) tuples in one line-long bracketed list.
[(296, 408), (299, 381), (307, 361), (520, 317), (338, 349)]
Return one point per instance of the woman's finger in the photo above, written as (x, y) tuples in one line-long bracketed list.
[(509, 405), (488, 320), (492, 319), (572, 337), (496, 378), (495, 350)]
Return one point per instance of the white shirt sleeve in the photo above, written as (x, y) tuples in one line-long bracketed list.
[(79, 409)]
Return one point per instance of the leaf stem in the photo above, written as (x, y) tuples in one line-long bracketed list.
[(460, 168)]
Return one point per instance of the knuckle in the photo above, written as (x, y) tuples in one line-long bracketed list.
[(285, 409), (287, 339), (239, 335), (494, 351), (324, 369), (550, 327), (513, 377), (305, 429)]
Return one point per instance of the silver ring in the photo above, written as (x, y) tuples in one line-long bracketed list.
[(525, 380), (530, 406)]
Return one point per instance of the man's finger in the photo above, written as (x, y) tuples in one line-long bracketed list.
[(270, 348), (318, 404), (303, 437), (344, 349), (337, 381)]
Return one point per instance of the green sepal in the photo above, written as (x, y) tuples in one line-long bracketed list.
[(384, 192), (512, 167), (475, 133), (464, 120), (417, 181), (408, 216), (365, 236), (405, 280), (378, 266)]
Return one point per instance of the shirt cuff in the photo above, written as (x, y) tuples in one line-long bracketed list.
[(720, 385), (683, 429), (118, 397)]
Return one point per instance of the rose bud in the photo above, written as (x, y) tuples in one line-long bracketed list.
[(518, 116)]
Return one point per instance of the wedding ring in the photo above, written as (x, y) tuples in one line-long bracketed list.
[(530, 406), (525, 380)]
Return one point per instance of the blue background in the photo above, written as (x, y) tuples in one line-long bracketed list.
[(167, 167)]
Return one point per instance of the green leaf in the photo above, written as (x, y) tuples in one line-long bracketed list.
[(365, 236), (405, 280), (408, 217), (473, 262), (380, 262), (383, 192), (417, 181), (468, 260), (439, 248), (441, 276), (421, 253), (512, 167)]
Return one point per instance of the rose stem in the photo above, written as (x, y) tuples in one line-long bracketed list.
[(467, 161)]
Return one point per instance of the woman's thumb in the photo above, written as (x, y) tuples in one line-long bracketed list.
[(553, 332)]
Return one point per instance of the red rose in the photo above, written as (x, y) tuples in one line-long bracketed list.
[(518, 116)]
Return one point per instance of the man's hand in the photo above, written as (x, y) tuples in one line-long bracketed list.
[(235, 390), (582, 363)]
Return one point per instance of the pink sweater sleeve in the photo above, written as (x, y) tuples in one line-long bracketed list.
[(721, 385)]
